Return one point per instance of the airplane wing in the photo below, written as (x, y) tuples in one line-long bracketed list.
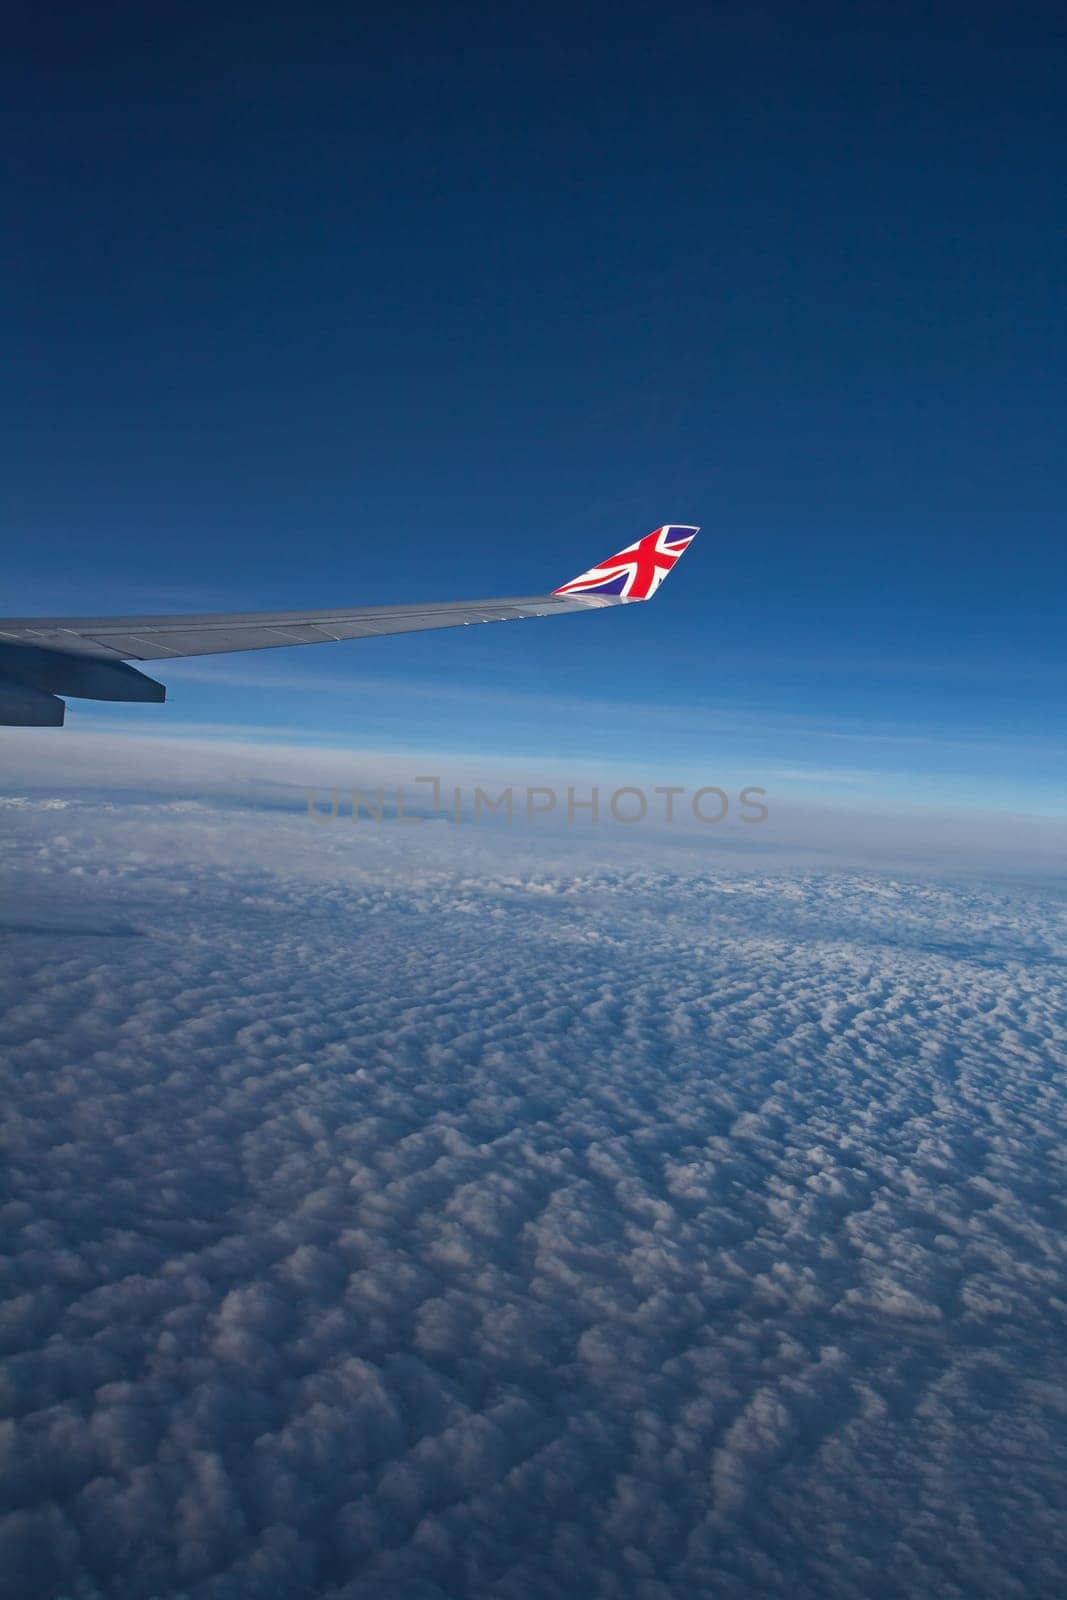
[(42, 658)]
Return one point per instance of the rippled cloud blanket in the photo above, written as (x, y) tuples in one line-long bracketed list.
[(424, 1214)]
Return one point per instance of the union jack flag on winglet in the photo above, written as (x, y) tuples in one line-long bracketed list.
[(636, 572)]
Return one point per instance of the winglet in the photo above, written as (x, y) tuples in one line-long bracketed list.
[(636, 572)]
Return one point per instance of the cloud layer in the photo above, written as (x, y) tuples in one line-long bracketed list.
[(826, 814), (430, 1215)]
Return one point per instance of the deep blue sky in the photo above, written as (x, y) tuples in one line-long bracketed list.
[(310, 305)]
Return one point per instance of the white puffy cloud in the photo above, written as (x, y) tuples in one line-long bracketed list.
[(438, 1214)]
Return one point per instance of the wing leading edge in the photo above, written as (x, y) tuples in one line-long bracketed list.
[(43, 658)]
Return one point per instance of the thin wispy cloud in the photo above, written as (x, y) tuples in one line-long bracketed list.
[(705, 716)]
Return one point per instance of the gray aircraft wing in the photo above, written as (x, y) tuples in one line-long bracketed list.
[(43, 658)]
